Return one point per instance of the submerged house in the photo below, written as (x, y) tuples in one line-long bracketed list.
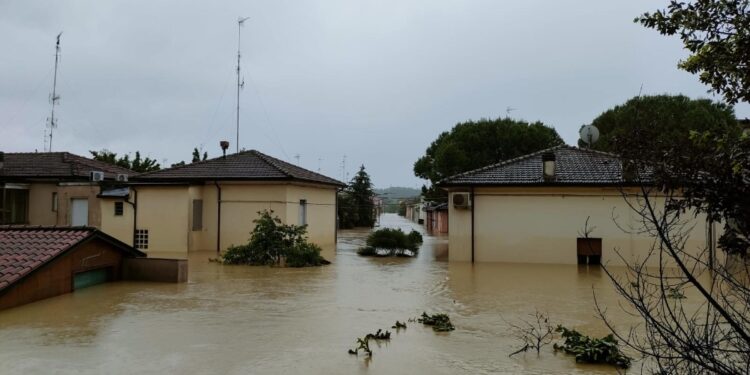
[(562, 205), (43, 262), (210, 205), (436, 220), (53, 188)]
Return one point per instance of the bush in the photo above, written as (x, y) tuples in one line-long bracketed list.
[(588, 350), (391, 241), (271, 242)]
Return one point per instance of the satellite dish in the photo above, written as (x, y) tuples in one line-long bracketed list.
[(589, 134)]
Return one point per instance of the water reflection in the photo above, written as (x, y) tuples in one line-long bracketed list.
[(236, 319)]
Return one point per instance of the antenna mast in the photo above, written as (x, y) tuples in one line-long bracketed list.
[(240, 84), (54, 98)]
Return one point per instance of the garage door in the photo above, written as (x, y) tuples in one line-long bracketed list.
[(89, 278)]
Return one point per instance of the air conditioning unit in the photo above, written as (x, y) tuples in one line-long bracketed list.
[(96, 176), (122, 177), (461, 200)]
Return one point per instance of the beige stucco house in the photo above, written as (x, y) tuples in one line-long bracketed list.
[(210, 205), (53, 188), (534, 209)]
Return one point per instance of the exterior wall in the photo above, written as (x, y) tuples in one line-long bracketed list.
[(167, 212), (541, 225), (40, 203), (163, 211), (321, 215), (120, 227), (56, 277)]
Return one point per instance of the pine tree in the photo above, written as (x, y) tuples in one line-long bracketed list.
[(361, 192)]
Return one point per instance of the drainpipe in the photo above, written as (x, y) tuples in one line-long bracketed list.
[(336, 218), (472, 224), (218, 217), (135, 212)]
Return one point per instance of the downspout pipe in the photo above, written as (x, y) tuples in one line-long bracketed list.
[(218, 217), (471, 197), (135, 212)]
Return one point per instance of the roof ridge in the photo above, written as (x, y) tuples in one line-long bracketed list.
[(146, 174), (271, 162), (504, 162)]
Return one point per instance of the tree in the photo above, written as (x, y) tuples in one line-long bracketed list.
[(717, 34), (355, 203), (137, 164), (197, 155), (704, 171), (471, 145), (662, 119)]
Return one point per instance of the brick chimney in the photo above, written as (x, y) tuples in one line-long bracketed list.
[(548, 166)]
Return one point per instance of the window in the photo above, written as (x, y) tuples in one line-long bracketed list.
[(197, 214), (14, 205), (141, 239), (54, 201), (118, 208), (302, 212)]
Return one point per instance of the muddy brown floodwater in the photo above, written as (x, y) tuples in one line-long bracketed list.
[(240, 320)]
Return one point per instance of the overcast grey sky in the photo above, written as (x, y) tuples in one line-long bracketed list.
[(376, 81)]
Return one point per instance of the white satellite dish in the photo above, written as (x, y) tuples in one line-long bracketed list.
[(589, 134)]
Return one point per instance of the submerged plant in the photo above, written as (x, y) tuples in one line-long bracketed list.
[(533, 334), (363, 344), (399, 325), (590, 350), (439, 322), (392, 242), (272, 242)]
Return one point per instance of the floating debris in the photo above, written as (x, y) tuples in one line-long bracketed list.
[(399, 325), (439, 322)]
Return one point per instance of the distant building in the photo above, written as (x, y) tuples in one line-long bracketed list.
[(53, 188), (210, 205), (534, 209), (436, 220)]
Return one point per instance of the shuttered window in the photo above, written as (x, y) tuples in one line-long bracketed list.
[(197, 214)]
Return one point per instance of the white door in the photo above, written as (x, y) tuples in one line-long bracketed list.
[(79, 212)]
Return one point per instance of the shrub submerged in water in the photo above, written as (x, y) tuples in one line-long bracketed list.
[(271, 242), (589, 350), (390, 242)]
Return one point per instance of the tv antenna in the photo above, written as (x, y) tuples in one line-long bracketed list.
[(54, 99), (319, 163), (508, 110), (589, 134), (240, 82), (297, 156)]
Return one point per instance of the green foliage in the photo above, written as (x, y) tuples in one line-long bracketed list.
[(473, 145), (390, 242), (717, 35), (392, 196), (439, 322), (660, 119), (135, 165), (271, 242), (355, 203), (363, 343), (399, 325), (197, 155), (588, 350)]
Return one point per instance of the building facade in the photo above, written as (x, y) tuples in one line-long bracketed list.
[(562, 205)]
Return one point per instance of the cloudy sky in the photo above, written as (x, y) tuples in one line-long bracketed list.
[(376, 80)]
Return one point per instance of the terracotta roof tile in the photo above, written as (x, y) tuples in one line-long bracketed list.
[(246, 165), (23, 250), (55, 165)]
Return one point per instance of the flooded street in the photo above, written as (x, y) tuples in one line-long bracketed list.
[(239, 319)]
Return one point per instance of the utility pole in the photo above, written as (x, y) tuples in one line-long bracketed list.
[(240, 84), (54, 98)]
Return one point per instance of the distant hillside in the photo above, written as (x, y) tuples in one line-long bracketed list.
[(394, 194), (397, 192)]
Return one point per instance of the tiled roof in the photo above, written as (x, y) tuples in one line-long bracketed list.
[(25, 249), (62, 165), (573, 166), (246, 165)]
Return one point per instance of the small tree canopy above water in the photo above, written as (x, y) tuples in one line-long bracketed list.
[(392, 241), (271, 242)]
